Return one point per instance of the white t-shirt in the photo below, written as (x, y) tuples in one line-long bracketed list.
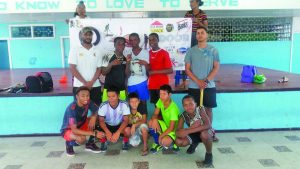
[(138, 72), (114, 117), (87, 61)]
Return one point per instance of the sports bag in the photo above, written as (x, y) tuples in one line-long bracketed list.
[(39, 83)]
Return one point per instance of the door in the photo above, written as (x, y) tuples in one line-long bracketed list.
[(66, 50), (4, 56)]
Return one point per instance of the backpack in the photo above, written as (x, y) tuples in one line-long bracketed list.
[(39, 83)]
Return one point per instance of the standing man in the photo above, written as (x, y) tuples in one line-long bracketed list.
[(139, 64), (199, 18), (202, 65), (116, 69), (160, 67), (85, 65)]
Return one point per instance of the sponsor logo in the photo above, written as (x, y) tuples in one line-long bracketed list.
[(182, 50), (174, 38), (170, 49), (170, 27), (156, 27), (182, 25)]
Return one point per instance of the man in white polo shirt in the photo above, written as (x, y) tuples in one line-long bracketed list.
[(85, 65)]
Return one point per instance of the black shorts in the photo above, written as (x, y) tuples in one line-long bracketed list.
[(194, 138), (154, 96), (113, 129), (95, 94), (209, 97)]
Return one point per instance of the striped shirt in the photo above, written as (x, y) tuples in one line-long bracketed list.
[(201, 16)]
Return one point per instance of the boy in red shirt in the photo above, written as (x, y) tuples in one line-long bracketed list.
[(160, 66)]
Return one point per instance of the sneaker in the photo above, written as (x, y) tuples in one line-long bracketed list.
[(70, 151), (175, 148), (92, 147), (155, 148), (103, 147), (208, 159), (192, 148), (125, 146)]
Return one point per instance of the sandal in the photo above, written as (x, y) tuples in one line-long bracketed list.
[(144, 152)]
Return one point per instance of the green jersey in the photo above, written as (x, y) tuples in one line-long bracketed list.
[(171, 113)]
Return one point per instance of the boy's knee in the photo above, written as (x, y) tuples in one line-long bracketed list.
[(167, 141), (178, 142)]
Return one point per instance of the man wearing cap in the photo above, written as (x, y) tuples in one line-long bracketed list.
[(85, 65)]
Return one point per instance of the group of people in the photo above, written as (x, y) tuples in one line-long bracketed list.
[(119, 107)]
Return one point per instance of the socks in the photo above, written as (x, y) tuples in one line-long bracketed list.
[(72, 143), (154, 134), (91, 140), (125, 139), (102, 140)]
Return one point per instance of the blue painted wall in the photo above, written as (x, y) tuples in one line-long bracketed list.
[(267, 54), (30, 115), (47, 53), (4, 57), (44, 114), (296, 53), (36, 53)]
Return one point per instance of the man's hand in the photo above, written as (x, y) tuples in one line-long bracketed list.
[(155, 125), (115, 137), (181, 133), (201, 83), (115, 62), (89, 84), (128, 58), (108, 136), (142, 62), (92, 123), (100, 135)]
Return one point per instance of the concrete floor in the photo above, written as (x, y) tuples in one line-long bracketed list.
[(244, 150)]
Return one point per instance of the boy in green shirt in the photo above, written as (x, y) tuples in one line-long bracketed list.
[(163, 129)]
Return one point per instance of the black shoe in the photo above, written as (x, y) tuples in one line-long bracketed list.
[(69, 150), (103, 147), (125, 146), (208, 159), (92, 147), (192, 148)]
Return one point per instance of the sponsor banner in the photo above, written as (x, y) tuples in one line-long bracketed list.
[(45, 6), (174, 34)]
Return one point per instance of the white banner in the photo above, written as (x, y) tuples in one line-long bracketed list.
[(174, 34), (46, 6)]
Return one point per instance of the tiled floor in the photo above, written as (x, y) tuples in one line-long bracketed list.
[(245, 150)]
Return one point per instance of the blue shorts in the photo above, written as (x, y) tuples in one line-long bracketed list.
[(141, 89)]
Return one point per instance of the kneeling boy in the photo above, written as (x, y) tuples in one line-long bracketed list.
[(114, 119), (199, 128), (138, 120), (76, 126)]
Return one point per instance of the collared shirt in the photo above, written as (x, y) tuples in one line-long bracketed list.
[(87, 61)]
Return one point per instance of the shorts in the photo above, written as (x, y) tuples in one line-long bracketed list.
[(163, 128), (141, 89), (194, 137), (154, 96), (105, 97), (67, 133), (112, 129), (209, 97)]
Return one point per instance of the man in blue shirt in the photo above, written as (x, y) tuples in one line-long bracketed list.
[(202, 65)]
